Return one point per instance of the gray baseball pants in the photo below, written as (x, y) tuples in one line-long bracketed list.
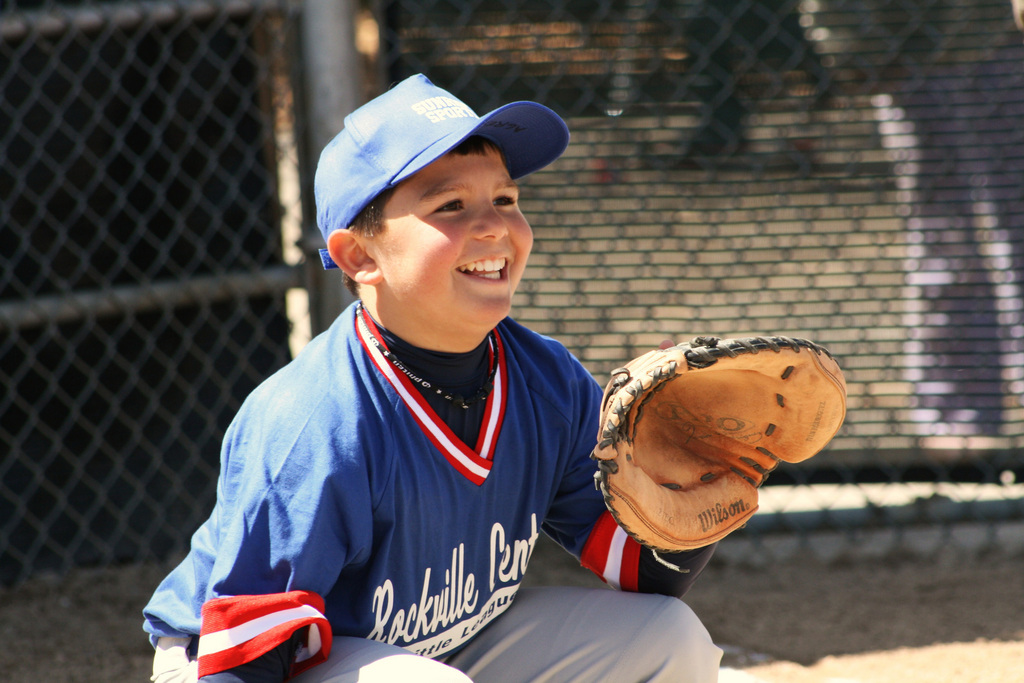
[(548, 635)]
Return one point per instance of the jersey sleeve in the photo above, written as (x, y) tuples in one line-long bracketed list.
[(279, 633), (578, 519), (612, 554), (576, 504), (294, 507), (580, 522)]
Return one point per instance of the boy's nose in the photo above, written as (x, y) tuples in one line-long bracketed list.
[(491, 223)]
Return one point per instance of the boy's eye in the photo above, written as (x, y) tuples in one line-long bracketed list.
[(507, 200), (451, 206)]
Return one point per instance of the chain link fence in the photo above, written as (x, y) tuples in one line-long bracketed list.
[(143, 280), (847, 171), (851, 171)]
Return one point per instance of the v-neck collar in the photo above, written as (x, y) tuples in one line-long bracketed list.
[(473, 463)]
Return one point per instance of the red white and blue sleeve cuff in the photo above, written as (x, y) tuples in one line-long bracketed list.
[(237, 630), (612, 554)]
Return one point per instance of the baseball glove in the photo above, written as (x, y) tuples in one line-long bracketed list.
[(689, 433)]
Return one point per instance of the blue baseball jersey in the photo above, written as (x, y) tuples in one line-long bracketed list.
[(338, 479)]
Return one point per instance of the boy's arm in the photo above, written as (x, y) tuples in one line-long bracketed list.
[(238, 632), (271, 667), (625, 564), (265, 538), (604, 547), (672, 574)]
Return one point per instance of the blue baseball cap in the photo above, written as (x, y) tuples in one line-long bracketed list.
[(409, 127)]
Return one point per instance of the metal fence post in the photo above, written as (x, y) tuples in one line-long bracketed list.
[(332, 84)]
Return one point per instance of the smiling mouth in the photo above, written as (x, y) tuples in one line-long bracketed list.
[(489, 269)]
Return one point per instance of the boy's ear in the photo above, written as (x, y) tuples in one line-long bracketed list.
[(349, 251)]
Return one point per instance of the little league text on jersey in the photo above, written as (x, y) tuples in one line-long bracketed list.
[(453, 607)]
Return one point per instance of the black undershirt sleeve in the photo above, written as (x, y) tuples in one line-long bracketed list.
[(273, 666), (677, 579)]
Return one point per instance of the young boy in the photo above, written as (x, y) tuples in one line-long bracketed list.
[(380, 496)]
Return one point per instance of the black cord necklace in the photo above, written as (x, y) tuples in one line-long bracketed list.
[(455, 398)]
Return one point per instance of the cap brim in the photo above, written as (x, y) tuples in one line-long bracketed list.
[(529, 134)]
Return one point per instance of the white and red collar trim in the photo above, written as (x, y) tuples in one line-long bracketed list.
[(474, 464)]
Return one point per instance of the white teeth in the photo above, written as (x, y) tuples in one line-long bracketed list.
[(488, 268)]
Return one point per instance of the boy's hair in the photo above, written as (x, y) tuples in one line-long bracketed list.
[(370, 221)]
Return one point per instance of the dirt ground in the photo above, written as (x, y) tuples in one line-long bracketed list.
[(798, 620)]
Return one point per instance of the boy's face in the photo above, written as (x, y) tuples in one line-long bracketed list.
[(452, 253)]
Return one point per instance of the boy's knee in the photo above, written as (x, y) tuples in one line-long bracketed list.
[(679, 640), (409, 667), (357, 660)]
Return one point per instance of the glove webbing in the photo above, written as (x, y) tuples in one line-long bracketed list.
[(701, 352)]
